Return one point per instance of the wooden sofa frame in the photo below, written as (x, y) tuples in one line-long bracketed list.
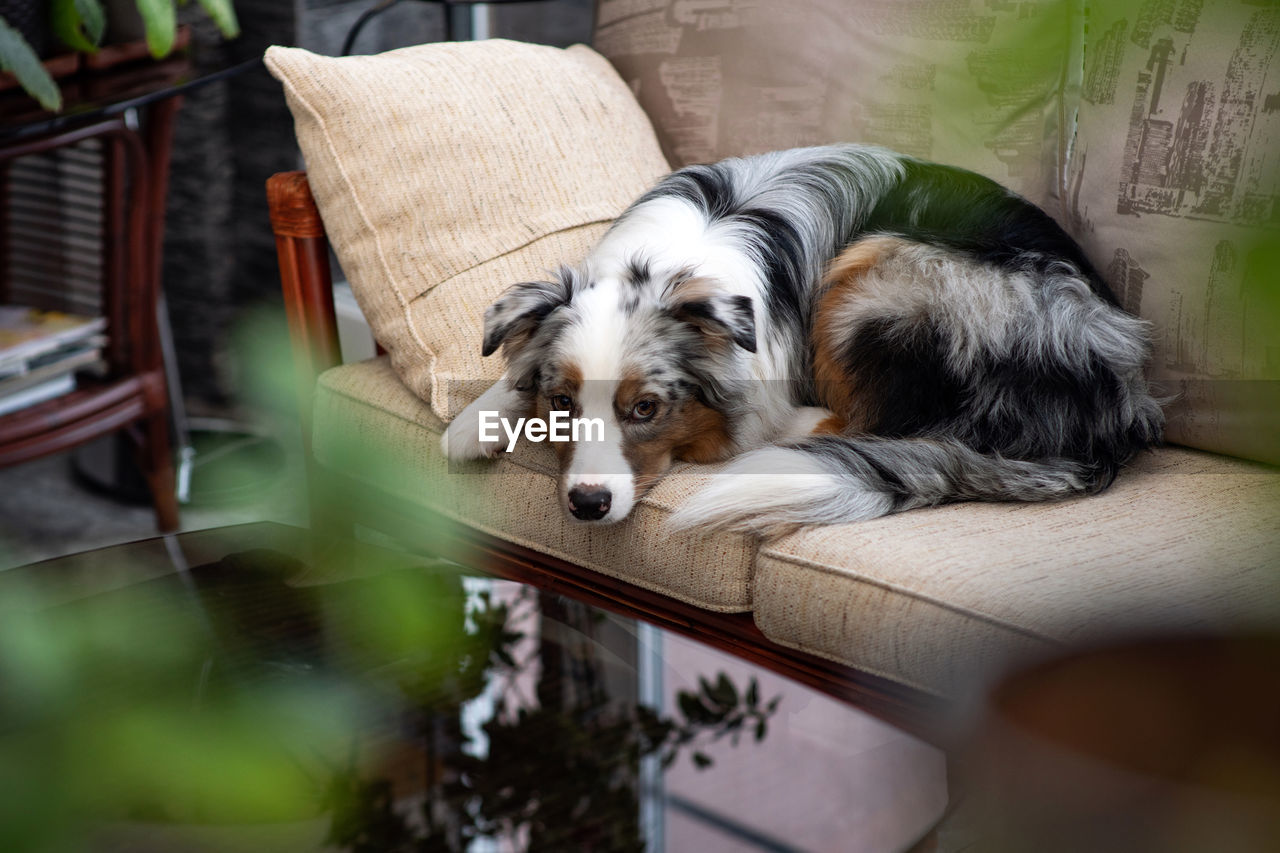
[(308, 297)]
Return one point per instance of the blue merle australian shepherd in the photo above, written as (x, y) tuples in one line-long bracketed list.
[(861, 332)]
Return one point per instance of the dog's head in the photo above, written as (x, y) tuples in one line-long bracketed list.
[(650, 366)]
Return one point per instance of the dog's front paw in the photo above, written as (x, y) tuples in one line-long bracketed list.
[(461, 441)]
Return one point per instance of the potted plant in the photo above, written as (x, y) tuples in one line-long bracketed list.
[(81, 25)]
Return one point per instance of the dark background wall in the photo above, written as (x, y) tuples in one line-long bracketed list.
[(231, 136)]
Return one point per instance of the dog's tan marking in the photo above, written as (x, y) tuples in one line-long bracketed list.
[(694, 433), (836, 389), (696, 288), (631, 390), (690, 432), (834, 425), (648, 459), (700, 289), (706, 435), (861, 256), (572, 374), (571, 386)]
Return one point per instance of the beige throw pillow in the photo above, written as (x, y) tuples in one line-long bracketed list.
[(447, 172)]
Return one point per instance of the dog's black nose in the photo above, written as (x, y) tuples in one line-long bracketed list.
[(589, 503)]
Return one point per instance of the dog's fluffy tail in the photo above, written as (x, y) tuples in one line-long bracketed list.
[(831, 479)]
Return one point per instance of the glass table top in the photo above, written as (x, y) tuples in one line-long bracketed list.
[(89, 95), (234, 689)]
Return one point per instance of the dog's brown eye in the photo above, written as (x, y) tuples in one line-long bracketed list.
[(644, 410), (561, 401)]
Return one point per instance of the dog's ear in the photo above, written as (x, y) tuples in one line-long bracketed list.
[(720, 314), (518, 312)]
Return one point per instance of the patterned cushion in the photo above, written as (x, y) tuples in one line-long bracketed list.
[(447, 172), (1174, 190), (978, 85)]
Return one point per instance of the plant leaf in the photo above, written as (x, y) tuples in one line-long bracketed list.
[(701, 759), (692, 709), (17, 56), (725, 689), (162, 26), (78, 24), (94, 19), (224, 15)]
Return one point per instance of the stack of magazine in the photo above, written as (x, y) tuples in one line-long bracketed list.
[(42, 351)]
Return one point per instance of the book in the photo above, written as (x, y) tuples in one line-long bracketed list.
[(41, 369), (38, 393), (28, 333)]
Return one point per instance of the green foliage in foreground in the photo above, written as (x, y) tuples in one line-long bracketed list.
[(81, 24)]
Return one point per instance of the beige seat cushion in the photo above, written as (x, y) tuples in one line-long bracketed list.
[(939, 598), (936, 599), (447, 172), (368, 425)]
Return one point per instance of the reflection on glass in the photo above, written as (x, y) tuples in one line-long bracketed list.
[(403, 709)]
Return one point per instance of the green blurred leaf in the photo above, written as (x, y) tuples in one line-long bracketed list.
[(398, 616), (173, 764), (17, 56), (94, 18), (1260, 285), (79, 24), (224, 15), (161, 22), (101, 717)]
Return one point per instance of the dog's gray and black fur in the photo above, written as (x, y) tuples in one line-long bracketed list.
[(877, 333)]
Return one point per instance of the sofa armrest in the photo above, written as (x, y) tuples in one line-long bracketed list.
[(303, 251)]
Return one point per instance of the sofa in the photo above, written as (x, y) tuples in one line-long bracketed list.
[(442, 173)]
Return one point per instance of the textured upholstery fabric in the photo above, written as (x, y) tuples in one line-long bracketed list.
[(936, 599), (447, 172), (368, 425), (979, 85), (1174, 192), (1183, 540)]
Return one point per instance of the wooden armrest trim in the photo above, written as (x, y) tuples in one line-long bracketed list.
[(293, 208), (303, 252)]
